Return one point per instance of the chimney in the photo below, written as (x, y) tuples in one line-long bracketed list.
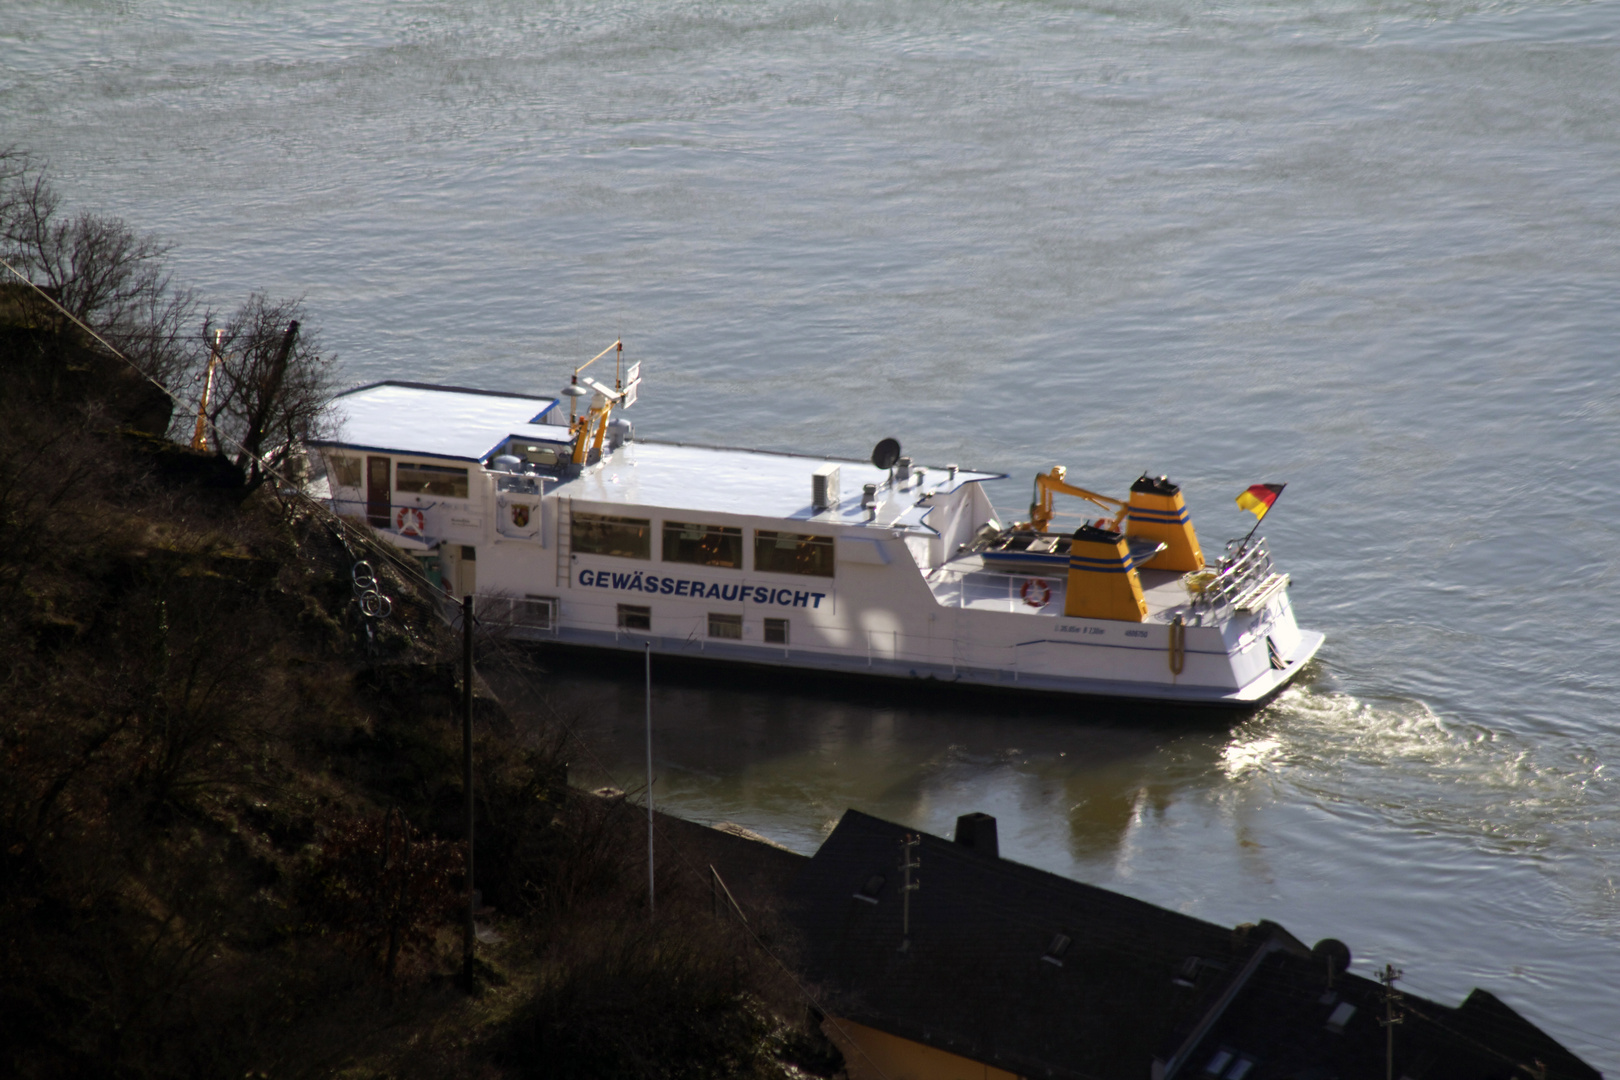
[(978, 831)]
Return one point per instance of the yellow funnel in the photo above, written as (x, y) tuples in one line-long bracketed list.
[(1157, 513), (1102, 581)]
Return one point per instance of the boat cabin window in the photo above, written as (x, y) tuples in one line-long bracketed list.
[(793, 553), (725, 626), (603, 534), (634, 617), (776, 631), (414, 479), (705, 545), (539, 612), (534, 612), (345, 471)]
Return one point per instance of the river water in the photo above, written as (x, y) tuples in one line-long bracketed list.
[(1368, 248)]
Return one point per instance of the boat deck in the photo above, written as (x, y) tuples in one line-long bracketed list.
[(965, 582)]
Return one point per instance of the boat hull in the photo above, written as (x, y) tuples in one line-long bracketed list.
[(786, 562), (817, 666)]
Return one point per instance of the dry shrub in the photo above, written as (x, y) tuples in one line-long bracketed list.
[(621, 992), (667, 999), (182, 703), (384, 887)]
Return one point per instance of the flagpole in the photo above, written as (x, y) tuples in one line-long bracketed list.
[(1245, 545)]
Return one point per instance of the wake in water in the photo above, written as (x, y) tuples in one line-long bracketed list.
[(1423, 773)]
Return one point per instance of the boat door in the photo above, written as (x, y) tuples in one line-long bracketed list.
[(379, 492)]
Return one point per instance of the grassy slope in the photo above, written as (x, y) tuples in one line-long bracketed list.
[(210, 762)]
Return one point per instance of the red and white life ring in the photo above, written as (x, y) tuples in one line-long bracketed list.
[(409, 521), (1036, 592)]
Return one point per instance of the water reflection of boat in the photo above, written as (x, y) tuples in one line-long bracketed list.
[(574, 533)]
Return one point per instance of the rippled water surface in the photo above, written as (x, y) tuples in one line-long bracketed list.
[(1368, 249)]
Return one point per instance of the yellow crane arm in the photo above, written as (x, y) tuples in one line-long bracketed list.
[(199, 438), (1055, 483)]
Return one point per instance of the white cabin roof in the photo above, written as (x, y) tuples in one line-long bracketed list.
[(463, 424), (437, 421), (752, 483)]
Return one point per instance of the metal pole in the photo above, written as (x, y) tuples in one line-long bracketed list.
[(470, 935), (907, 843), (1244, 546), (651, 898), (1388, 977), (1389, 1024)]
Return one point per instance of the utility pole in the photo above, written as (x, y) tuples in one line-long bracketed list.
[(651, 899), (1391, 999), (470, 931), (908, 863)]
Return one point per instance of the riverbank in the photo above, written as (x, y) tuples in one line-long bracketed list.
[(230, 808)]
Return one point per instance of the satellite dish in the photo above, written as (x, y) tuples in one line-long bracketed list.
[(886, 453)]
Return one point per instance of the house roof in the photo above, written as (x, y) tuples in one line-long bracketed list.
[(1134, 990)]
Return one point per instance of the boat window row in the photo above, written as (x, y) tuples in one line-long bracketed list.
[(775, 552), (442, 480), (638, 617), (410, 478)]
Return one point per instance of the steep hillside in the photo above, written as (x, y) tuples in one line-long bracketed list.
[(230, 800)]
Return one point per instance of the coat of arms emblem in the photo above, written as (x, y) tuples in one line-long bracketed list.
[(520, 515)]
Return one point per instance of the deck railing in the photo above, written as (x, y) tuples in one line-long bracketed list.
[(1237, 574), (362, 510), (1014, 590)]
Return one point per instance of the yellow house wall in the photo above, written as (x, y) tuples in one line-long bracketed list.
[(870, 1054)]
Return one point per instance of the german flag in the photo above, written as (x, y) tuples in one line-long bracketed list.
[(1258, 499)]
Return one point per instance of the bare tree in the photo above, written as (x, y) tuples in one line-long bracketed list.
[(105, 274), (273, 386)]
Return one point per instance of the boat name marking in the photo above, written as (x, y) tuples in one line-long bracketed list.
[(636, 581), (1102, 630)]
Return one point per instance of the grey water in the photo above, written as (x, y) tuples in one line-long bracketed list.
[(1368, 248)]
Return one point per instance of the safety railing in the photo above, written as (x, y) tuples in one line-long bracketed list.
[(520, 484), (1000, 592), (1237, 574), (404, 519)]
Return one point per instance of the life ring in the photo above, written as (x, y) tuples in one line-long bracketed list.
[(409, 521), (1036, 592)]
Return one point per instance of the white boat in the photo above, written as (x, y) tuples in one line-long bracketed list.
[(573, 532)]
